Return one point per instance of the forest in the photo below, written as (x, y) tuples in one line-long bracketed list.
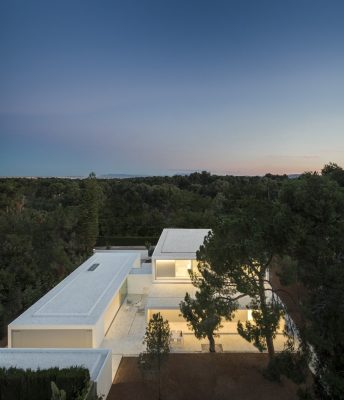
[(48, 226)]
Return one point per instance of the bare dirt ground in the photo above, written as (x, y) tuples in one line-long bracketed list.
[(202, 376)]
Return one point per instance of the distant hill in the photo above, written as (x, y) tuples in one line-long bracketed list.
[(121, 176), (127, 176), (294, 176), (124, 176)]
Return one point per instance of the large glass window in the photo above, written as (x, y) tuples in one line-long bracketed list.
[(165, 269), (182, 268), (173, 269)]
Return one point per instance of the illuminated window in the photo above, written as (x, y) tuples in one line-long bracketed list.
[(173, 269), (165, 269), (182, 268)]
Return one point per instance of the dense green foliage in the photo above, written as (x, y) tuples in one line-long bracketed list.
[(41, 236), (312, 220), (19, 384), (56, 393), (234, 262), (292, 364), (204, 312), (157, 341), (48, 226), (301, 232)]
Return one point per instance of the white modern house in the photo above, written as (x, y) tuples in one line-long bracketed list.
[(175, 254), (78, 311), (106, 302)]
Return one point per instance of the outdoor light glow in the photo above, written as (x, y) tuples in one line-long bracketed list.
[(249, 315)]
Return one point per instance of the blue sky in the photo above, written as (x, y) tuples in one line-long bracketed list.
[(154, 87)]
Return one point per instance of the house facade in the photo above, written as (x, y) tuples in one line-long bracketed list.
[(108, 300), (79, 311), (175, 255), (173, 258)]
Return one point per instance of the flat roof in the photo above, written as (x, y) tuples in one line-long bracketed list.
[(168, 295), (146, 269), (179, 243), (83, 296), (92, 359)]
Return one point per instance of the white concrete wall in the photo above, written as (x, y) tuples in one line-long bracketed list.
[(104, 322), (137, 284), (98, 333), (137, 262), (153, 269), (104, 379), (50, 338), (111, 311)]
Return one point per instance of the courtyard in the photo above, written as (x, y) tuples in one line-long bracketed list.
[(219, 376), (126, 334)]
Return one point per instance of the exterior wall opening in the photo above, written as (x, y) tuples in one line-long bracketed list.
[(173, 269)]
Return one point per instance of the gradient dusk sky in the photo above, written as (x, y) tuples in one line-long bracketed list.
[(155, 87)]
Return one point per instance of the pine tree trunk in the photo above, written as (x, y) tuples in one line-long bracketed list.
[(159, 383), (211, 343), (268, 336), (270, 346), (159, 388)]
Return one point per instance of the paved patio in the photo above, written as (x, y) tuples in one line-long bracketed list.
[(231, 342), (126, 334)]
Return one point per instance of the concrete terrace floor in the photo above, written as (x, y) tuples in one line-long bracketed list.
[(231, 342), (126, 333)]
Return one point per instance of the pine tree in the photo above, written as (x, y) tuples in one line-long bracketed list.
[(157, 341), (204, 312), (234, 261)]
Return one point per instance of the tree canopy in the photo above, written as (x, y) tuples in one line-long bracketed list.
[(235, 261), (48, 226)]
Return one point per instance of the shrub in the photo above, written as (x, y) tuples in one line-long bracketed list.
[(291, 365), (20, 384)]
